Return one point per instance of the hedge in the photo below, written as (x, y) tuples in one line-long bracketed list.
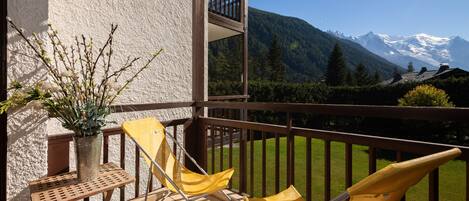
[(442, 132), (261, 91)]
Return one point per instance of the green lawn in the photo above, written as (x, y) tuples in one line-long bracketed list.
[(452, 175)]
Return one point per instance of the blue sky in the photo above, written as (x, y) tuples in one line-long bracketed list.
[(442, 18)]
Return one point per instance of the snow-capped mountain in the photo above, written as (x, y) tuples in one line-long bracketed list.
[(421, 49)]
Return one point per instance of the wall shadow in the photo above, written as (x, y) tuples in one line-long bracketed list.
[(26, 128)]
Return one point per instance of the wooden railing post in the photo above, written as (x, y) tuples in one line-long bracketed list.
[(244, 112), (197, 145), (348, 165), (122, 163), (251, 162), (308, 169), (277, 163), (242, 156), (433, 185), (137, 171), (327, 170), (290, 152), (213, 131), (242, 11), (244, 17), (467, 180), (264, 166), (371, 160)]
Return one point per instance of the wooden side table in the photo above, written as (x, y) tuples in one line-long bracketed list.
[(67, 187)]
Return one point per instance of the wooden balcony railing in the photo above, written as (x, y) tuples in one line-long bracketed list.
[(261, 172), (231, 9), (243, 144)]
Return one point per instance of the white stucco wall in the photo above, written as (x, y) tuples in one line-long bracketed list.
[(27, 138), (144, 27)]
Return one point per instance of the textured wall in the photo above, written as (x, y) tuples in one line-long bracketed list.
[(27, 138), (144, 27)]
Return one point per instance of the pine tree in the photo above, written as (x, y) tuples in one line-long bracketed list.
[(222, 70), (275, 61), (362, 77), (410, 67), (376, 78), (349, 79), (225, 65), (256, 69), (336, 68), (265, 68)]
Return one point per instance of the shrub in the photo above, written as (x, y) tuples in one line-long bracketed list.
[(426, 95)]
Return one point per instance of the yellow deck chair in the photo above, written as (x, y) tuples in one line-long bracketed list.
[(291, 194), (150, 136), (392, 182)]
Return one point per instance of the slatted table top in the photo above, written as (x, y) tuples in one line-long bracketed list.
[(67, 187)]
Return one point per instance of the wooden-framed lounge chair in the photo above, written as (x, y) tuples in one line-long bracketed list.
[(150, 137), (290, 194), (392, 182)]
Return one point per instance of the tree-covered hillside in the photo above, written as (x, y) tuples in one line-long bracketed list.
[(305, 50)]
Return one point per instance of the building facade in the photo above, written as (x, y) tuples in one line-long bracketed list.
[(181, 28)]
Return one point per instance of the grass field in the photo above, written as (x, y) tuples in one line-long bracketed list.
[(452, 175)]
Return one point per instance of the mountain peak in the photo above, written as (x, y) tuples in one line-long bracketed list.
[(423, 35), (372, 34), (422, 49), (337, 34), (456, 38), (431, 40)]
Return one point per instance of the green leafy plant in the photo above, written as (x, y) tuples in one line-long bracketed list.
[(426, 95), (81, 86)]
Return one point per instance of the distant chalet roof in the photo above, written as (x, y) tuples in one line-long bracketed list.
[(424, 75)]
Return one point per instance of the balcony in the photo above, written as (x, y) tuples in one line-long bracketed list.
[(320, 163), (226, 18), (230, 9)]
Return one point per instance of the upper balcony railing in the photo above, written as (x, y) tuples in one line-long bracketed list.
[(268, 157), (232, 9)]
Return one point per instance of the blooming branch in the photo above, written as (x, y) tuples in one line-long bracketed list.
[(75, 95)]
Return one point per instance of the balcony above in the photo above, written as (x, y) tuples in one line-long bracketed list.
[(226, 18), (231, 9)]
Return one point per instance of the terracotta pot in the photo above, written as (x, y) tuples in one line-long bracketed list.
[(88, 156)]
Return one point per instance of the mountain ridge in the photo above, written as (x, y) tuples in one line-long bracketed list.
[(424, 50), (306, 49)]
